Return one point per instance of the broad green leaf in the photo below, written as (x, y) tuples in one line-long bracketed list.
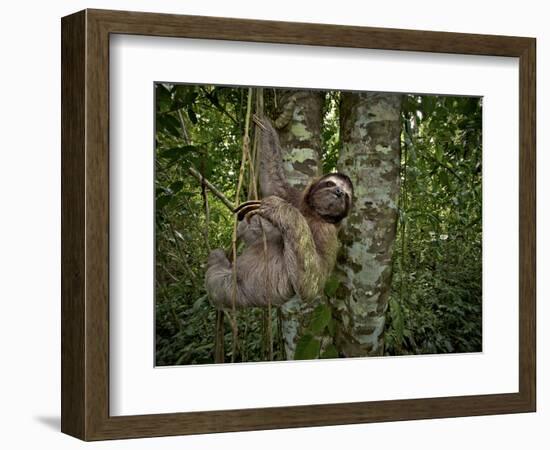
[(330, 352), (162, 201), (307, 348), (168, 124), (439, 153), (163, 97), (331, 327), (331, 286), (176, 186), (185, 94), (320, 317), (444, 178), (177, 152), (192, 115)]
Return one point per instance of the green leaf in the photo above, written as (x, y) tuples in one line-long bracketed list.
[(319, 319), (163, 97), (428, 102), (168, 124), (444, 178), (307, 348), (176, 186), (185, 94), (330, 352), (331, 286), (192, 116), (162, 201), (177, 152), (191, 97), (331, 327), (439, 154)]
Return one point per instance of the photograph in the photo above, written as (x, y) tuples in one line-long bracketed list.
[(302, 224)]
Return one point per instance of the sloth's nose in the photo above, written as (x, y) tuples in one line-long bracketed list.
[(339, 192)]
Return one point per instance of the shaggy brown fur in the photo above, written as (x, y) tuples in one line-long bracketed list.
[(301, 231)]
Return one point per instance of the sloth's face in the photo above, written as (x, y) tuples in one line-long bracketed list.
[(331, 197)]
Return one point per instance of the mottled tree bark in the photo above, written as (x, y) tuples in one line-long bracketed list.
[(299, 125), (370, 156)]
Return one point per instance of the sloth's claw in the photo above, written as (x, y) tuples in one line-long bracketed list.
[(245, 204), (245, 208), (250, 214)]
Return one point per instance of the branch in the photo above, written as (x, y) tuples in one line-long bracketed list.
[(212, 188)]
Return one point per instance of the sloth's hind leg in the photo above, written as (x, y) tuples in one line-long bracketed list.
[(218, 277), (218, 258), (219, 282)]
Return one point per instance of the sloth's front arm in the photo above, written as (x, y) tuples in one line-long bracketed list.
[(303, 262), (272, 177)]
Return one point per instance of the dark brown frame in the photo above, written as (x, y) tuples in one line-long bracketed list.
[(85, 224)]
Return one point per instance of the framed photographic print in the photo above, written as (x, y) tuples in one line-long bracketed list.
[(271, 225)]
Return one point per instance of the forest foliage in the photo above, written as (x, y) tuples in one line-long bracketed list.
[(435, 303)]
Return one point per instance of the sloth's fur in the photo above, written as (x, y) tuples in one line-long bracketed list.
[(300, 227)]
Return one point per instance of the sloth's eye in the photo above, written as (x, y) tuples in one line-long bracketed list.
[(329, 184)]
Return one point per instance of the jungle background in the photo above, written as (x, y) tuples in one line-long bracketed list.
[(409, 276)]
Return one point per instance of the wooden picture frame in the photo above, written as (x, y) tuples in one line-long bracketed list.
[(85, 224)]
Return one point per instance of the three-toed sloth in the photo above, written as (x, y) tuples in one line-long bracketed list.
[(291, 236)]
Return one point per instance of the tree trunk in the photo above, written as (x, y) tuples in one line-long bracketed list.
[(299, 126), (370, 156)]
